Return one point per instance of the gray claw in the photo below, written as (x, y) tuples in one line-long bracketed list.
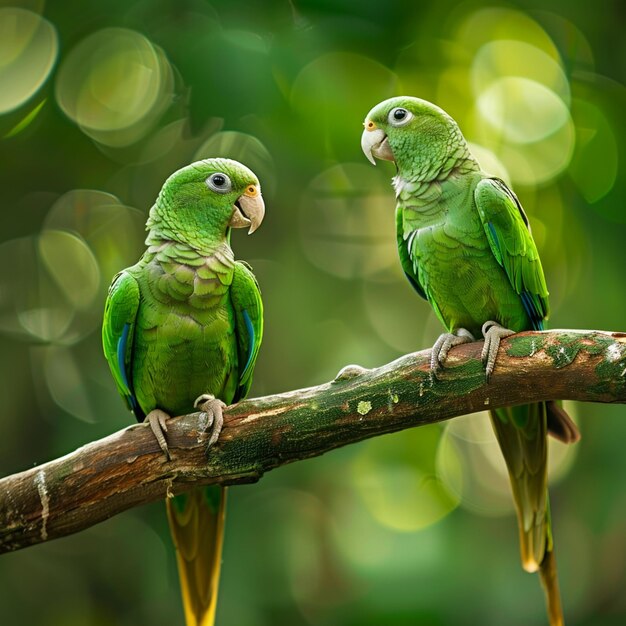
[(493, 333), (444, 343), (157, 420), (212, 413)]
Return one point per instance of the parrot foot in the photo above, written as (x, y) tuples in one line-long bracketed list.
[(442, 346), (157, 420), (493, 333), (211, 410)]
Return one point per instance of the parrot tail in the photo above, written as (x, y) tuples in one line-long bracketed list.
[(522, 434), (196, 522), (550, 584), (560, 424)]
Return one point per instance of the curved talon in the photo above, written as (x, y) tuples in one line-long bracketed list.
[(493, 333), (443, 344), (212, 409), (157, 420)]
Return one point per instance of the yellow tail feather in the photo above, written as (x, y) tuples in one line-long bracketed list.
[(522, 434), (197, 528), (550, 584)]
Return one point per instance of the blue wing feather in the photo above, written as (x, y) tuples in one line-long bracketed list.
[(122, 344), (535, 316), (117, 335), (248, 307), (251, 341)]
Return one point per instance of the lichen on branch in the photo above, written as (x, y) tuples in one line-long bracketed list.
[(128, 468)]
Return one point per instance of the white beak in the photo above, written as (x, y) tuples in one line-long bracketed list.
[(248, 212), (374, 144)]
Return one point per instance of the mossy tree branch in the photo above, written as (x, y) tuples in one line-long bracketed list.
[(127, 468)]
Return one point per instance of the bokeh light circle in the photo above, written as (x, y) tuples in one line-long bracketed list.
[(99, 219), (347, 221), (528, 126), (28, 49), (594, 165), (53, 285), (333, 93), (393, 311), (501, 23), (523, 110), (115, 84), (31, 304), (387, 469), (471, 466), (72, 265), (511, 58), (536, 163)]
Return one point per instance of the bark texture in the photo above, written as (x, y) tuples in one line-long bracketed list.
[(127, 468)]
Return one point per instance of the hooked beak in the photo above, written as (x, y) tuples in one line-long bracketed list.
[(249, 210), (374, 143)]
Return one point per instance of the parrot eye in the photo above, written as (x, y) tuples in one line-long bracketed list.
[(219, 182), (399, 116)]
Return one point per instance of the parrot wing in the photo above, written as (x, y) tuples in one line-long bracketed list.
[(511, 243), (245, 296), (404, 250), (408, 259), (118, 327)]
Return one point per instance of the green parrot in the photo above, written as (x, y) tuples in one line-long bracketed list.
[(181, 332), (466, 246)]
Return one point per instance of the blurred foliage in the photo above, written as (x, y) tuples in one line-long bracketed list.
[(100, 102)]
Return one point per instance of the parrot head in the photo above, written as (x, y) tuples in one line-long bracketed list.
[(407, 130), (206, 199)]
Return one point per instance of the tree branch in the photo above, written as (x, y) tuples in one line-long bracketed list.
[(128, 468)]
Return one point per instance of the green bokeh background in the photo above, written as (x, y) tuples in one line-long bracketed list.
[(100, 101)]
